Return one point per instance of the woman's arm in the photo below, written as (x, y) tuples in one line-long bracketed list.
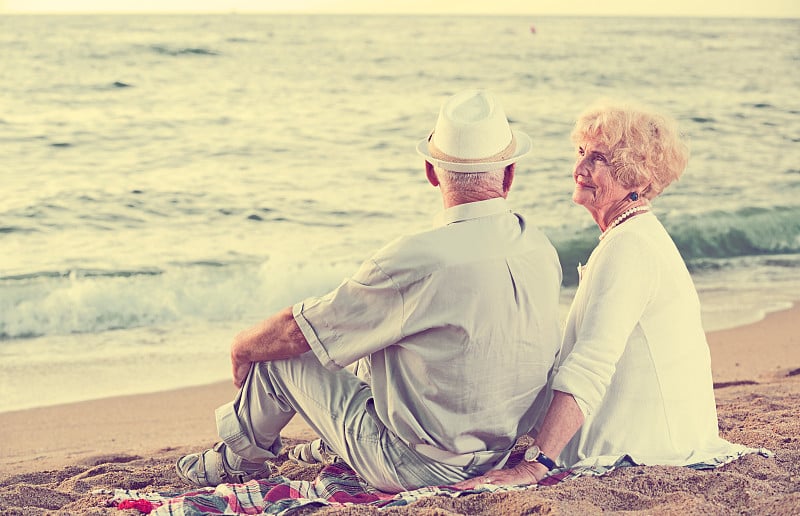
[(562, 420), (616, 295)]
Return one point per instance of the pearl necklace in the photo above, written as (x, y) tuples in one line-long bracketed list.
[(625, 214)]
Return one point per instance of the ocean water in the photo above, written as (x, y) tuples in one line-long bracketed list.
[(170, 180)]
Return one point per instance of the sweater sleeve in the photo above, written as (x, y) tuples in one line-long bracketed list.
[(619, 282)]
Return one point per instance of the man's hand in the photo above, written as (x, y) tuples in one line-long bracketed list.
[(524, 473), (240, 364), (275, 338)]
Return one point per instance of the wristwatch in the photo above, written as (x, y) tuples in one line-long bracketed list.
[(534, 454)]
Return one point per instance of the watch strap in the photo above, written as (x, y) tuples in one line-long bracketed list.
[(545, 461), (535, 454)]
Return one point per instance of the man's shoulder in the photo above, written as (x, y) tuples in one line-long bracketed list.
[(462, 242), (410, 245)]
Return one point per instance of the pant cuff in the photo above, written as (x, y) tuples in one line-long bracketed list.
[(239, 442)]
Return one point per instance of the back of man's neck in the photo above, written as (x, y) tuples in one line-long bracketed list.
[(455, 199)]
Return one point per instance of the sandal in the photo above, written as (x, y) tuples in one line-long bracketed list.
[(209, 469), (313, 452)]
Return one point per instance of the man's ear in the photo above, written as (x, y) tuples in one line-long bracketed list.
[(431, 173), (508, 178)]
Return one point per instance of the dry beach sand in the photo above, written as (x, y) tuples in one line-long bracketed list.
[(51, 459)]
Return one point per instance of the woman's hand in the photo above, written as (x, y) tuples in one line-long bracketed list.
[(524, 473)]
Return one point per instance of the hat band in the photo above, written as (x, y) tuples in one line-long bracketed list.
[(503, 155)]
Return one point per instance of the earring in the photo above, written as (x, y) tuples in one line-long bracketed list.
[(633, 196)]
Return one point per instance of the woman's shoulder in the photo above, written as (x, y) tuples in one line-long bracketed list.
[(639, 242), (642, 231)]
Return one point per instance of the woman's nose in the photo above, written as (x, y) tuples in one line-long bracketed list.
[(583, 166)]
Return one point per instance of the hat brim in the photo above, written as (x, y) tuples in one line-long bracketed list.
[(523, 148)]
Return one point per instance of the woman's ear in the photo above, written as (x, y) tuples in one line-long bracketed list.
[(431, 173)]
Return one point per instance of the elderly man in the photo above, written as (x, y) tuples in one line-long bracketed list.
[(458, 326)]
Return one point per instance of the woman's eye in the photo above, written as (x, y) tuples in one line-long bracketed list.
[(581, 152), (600, 158)]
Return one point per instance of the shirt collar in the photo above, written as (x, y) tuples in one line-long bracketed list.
[(472, 210)]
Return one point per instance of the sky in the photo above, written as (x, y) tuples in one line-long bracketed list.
[(746, 8)]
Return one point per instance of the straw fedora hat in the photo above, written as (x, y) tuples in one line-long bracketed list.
[(472, 135)]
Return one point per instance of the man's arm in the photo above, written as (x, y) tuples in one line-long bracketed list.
[(275, 338)]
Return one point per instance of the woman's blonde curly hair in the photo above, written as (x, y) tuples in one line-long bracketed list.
[(647, 149)]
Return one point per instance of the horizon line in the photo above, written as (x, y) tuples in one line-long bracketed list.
[(362, 13)]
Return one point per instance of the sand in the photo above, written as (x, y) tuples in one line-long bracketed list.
[(51, 459)]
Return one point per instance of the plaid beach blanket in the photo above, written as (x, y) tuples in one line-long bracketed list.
[(337, 485)]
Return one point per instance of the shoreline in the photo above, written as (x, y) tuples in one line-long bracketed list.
[(760, 351), (729, 371), (63, 452)]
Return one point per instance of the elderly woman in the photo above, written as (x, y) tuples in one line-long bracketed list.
[(634, 375)]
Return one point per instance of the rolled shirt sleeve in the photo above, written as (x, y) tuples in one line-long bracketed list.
[(362, 315), (618, 283)]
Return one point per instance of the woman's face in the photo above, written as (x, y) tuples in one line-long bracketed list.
[(595, 188)]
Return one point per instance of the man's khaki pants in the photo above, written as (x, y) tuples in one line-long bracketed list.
[(338, 406)]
